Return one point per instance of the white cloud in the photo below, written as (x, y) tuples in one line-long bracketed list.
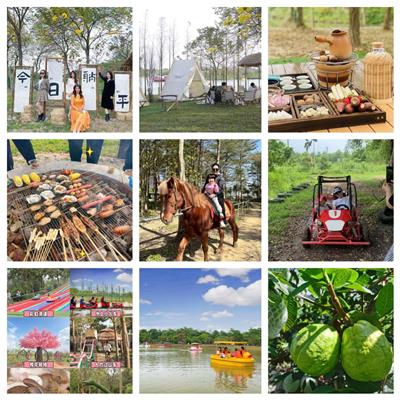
[(163, 314), (118, 270), (63, 337), (217, 315), (12, 338), (207, 279), (241, 273), (146, 302), (124, 277), (228, 296)]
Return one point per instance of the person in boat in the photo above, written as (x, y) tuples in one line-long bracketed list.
[(82, 303), (227, 352), (245, 353), (73, 302), (219, 351), (92, 301), (237, 353)]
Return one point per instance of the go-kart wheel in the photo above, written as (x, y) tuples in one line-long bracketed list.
[(386, 216), (306, 237)]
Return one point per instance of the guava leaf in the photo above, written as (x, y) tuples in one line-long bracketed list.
[(292, 313), (384, 300), (359, 288)]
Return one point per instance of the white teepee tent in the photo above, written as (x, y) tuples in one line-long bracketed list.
[(184, 81)]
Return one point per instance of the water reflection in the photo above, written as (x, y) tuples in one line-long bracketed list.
[(178, 370), (232, 379)]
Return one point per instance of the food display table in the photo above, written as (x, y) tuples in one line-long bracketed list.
[(307, 68)]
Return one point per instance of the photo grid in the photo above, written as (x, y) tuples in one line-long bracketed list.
[(171, 228)]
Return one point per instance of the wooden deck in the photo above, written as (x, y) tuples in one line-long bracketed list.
[(277, 69)]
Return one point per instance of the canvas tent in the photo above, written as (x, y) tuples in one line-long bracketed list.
[(184, 81), (142, 99)]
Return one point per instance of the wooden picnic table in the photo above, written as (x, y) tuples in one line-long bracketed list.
[(358, 82)]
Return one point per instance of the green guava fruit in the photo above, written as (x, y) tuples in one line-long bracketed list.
[(277, 315), (367, 355), (315, 349)]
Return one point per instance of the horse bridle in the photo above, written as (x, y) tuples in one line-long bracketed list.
[(182, 210)]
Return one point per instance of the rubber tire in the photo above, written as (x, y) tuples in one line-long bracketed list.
[(306, 236), (384, 218)]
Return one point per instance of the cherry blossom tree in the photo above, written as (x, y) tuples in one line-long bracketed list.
[(39, 341)]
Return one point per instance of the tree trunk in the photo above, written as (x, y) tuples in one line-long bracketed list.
[(125, 342), (116, 339), (218, 151), (300, 19), (354, 13), (39, 354), (182, 174), (292, 16), (387, 24)]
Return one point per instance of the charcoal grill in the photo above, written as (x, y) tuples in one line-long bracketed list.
[(106, 181)]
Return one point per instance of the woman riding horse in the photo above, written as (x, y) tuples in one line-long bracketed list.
[(177, 195)]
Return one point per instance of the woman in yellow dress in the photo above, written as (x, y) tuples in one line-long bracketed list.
[(80, 118)]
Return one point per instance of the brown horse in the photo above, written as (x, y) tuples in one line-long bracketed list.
[(177, 195)]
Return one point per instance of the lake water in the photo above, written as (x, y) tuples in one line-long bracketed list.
[(177, 370)]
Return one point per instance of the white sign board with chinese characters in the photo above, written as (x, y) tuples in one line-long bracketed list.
[(122, 95), (56, 74), (22, 88), (88, 80)]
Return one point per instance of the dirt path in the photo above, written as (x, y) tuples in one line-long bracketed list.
[(289, 247), (164, 248)]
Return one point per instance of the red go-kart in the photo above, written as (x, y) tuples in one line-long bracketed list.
[(339, 226)]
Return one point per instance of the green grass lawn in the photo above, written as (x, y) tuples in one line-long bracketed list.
[(110, 147), (368, 187), (192, 117)]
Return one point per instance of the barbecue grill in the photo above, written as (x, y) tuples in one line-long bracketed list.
[(99, 245)]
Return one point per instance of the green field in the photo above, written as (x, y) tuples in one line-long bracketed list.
[(57, 146), (192, 117)]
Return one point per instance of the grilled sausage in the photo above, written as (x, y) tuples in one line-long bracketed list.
[(106, 214), (97, 202), (122, 229)]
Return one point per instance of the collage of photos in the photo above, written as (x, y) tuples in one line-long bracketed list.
[(171, 230), (69, 330)]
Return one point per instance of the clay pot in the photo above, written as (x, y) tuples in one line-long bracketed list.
[(339, 44)]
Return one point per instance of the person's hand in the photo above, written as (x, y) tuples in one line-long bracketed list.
[(387, 188)]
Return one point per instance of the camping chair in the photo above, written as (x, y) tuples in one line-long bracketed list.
[(228, 97), (168, 101), (249, 96)]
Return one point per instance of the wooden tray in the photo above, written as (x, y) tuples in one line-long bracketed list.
[(288, 108), (323, 103), (321, 123)]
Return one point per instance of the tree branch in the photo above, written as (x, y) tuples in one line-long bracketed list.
[(335, 300)]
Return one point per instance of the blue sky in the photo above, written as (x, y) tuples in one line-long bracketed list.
[(103, 277), (204, 299), (19, 327), (321, 145)]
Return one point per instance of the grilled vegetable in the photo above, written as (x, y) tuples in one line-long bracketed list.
[(18, 181), (44, 221), (38, 216), (34, 177), (74, 176), (26, 179)]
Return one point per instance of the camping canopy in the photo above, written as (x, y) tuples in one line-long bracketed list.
[(185, 80)]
